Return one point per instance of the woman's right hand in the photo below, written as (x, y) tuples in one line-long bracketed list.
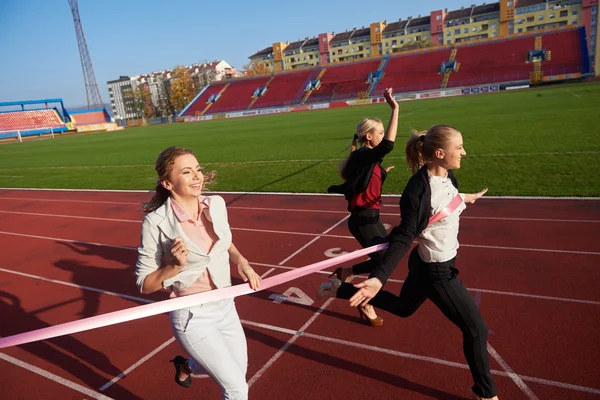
[(387, 94), (179, 252)]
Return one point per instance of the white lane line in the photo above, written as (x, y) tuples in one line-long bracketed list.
[(324, 234), (541, 297), (55, 378), (266, 273), (389, 351), (135, 365), (483, 218), (417, 357), (314, 240), (284, 348), (511, 374), (82, 287)]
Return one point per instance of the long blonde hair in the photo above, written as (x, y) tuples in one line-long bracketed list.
[(366, 125), (421, 146), (163, 167)]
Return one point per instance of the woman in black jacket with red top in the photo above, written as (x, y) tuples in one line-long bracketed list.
[(432, 275), (364, 177)]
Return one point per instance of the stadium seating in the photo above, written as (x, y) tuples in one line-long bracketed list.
[(30, 120), (200, 103), (344, 81), (565, 52), (493, 62), (413, 72), (90, 118), (285, 89), (238, 95)]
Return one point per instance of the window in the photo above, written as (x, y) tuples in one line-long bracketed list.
[(448, 33), (377, 29), (474, 29), (540, 17), (457, 31), (564, 13), (466, 30), (448, 41), (520, 21), (573, 12), (509, 3), (520, 30), (552, 16), (574, 22), (439, 17), (493, 26)]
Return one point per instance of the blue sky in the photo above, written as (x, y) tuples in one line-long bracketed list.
[(39, 51)]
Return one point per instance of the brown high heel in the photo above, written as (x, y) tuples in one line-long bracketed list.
[(339, 273), (365, 319)]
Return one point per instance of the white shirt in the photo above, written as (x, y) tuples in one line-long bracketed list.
[(439, 241)]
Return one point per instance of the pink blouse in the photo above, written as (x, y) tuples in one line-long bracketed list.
[(202, 234)]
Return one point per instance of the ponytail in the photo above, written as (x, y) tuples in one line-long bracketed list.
[(421, 146), (160, 196), (414, 150)]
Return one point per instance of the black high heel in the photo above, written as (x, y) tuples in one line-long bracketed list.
[(179, 362)]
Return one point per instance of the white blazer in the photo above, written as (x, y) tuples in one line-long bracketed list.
[(160, 228)]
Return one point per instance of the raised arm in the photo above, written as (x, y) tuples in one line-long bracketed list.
[(392, 129)]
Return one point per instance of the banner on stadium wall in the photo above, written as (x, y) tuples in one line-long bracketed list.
[(337, 104), (561, 77), (481, 89), (454, 92), (429, 95), (359, 102), (517, 87), (320, 106), (304, 107), (405, 97), (108, 126)]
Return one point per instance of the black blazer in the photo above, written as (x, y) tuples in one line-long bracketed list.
[(359, 169), (415, 211)]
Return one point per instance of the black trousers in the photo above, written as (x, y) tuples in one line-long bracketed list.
[(366, 227), (439, 283)]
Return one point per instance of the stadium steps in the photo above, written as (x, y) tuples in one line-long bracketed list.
[(447, 74), (255, 99), (536, 75), (210, 104), (307, 95), (374, 84)]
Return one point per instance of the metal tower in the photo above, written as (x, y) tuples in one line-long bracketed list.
[(94, 99)]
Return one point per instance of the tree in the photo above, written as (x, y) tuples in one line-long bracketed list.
[(183, 89), (142, 101), (257, 68), (163, 104)]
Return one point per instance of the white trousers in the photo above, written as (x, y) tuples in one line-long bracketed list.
[(212, 335)]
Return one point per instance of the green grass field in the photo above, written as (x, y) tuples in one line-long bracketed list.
[(543, 142)]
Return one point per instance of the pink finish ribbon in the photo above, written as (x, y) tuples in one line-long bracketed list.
[(161, 307), (449, 209)]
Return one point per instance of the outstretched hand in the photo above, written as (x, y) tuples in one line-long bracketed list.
[(473, 197), (366, 291), (389, 98)]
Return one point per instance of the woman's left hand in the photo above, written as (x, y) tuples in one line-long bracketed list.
[(389, 168), (248, 275), (366, 291)]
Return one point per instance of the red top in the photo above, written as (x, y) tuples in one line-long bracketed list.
[(370, 198)]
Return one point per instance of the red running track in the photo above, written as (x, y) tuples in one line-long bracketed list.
[(532, 266)]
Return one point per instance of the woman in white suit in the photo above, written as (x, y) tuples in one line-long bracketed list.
[(186, 247)]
